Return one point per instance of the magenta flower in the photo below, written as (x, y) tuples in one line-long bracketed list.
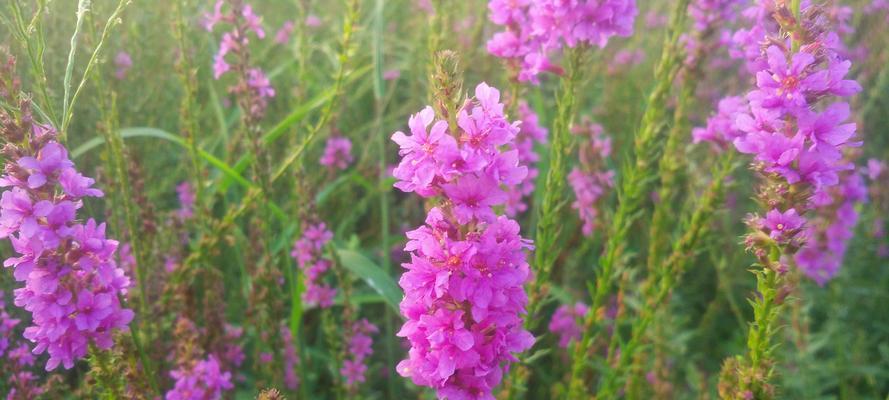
[(312, 21), (122, 62), (308, 252), (72, 285), (721, 129), (423, 153), (566, 322), (783, 225), (832, 229), (359, 349), (337, 153), (186, 200), (535, 29), (203, 381), (786, 86), (590, 179), (291, 360), (283, 34), (463, 285)]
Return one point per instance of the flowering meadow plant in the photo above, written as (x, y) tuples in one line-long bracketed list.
[(260, 199)]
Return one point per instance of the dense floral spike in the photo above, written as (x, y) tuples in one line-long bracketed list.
[(788, 123), (566, 322), (253, 81), (359, 349), (535, 29), (829, 235), (7, 324), (463, 287), (530, 133), (72, 285), (308, 252), (337, 153), (205, 380), (186, 200), (291, 360), (123, 63), (591, 178)]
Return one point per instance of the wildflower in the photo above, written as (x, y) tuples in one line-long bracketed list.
[(391, 74), (337, 153), (186, 200), (123, 62), (312, 21), (253, 86), (833, 227), (537, 28), (283, 34), (565, 322), (590, 180), (71, 282), (205, 380), (721, 129), (291, 360), (358, 350), (463, 285), (308, 253)]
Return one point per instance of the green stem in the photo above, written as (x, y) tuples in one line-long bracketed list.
[(68, 109), (658, 289), (634, 187), (548, 226), (379, 109)]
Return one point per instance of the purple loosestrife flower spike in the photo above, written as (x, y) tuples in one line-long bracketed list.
[(308, 252), (204, 381), (72, 285), (359, 349), (795, 125), (590, 180), (566, 322), (535, 29), (337, 153), (464, 293)]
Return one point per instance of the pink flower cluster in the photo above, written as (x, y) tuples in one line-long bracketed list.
[(829, 234), (186, 200), (590, 179), (566, 322), (72, 285), (7, 324), (537, 28), (205, 380), (337, 153), (355, 366), (464, 293), (530, 133), (308, 252), (123, 63), (291, 360), (711, 20), (243, 21), (783, 122)]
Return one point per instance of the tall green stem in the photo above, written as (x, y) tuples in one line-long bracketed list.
[(547, 235), (634, 186), (379, 108), (658, 289)]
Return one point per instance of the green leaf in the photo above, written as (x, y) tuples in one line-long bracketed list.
[(295, 116), (372, 274), (226, 169)]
